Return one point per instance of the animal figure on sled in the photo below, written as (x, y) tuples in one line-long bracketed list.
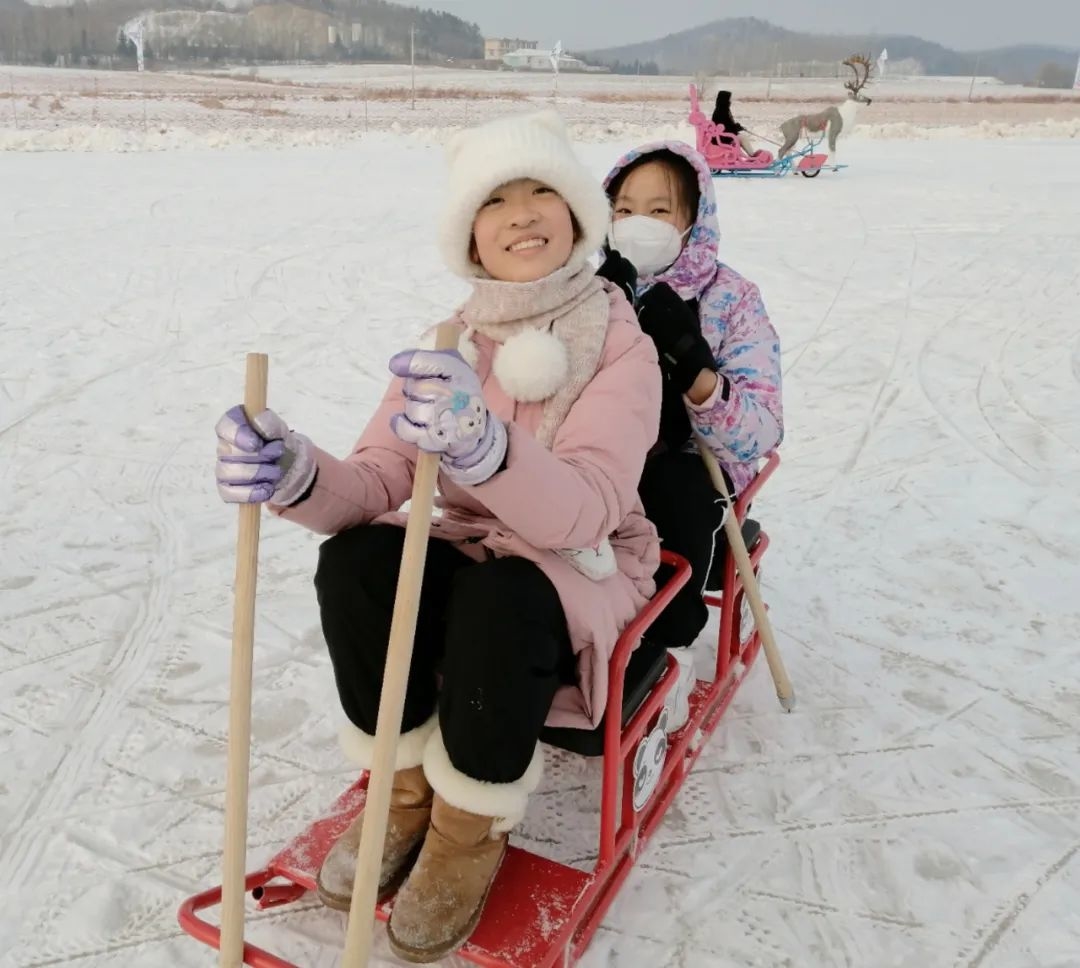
[(728, 158)]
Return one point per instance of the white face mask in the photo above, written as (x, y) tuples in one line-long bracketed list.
[(650, 244)]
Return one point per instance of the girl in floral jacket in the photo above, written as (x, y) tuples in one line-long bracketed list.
[(719, 354)]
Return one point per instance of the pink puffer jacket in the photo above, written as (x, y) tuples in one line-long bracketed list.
[(574, 496)]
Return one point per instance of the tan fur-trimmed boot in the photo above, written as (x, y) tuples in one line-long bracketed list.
[(440, 903), (410, 815)]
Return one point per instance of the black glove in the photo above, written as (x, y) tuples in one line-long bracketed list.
[(674, 328), (620, 271)]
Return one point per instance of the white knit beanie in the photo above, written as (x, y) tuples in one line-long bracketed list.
[(520, 146)]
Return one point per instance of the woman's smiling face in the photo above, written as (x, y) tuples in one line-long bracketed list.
[(523, 231)]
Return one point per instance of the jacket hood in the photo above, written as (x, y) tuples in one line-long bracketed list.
[(695, 268)]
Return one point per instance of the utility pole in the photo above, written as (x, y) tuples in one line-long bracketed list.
[(773, 70), (412, 61)]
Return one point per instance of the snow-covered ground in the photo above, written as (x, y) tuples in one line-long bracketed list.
[(43, 109), (922, 805)]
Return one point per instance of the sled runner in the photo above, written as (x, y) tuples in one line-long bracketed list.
[(541, 913)]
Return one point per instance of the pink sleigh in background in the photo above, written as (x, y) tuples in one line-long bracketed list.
[(720, 148), (727, 158)]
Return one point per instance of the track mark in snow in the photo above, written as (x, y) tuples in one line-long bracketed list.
[(880, 819), (753, 765), (1071, 290), (945, 410), (1005, 921), (67, 959), (945, 669), (878, 409), (89, 721), (222, 741), (809, 342), (50, 657), (829, 910), (68, 395)]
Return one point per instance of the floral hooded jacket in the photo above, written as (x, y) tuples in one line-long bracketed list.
[(749, 424)]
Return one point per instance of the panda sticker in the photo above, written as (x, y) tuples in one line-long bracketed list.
[(649, 762)]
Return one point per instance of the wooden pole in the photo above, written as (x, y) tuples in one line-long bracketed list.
[(733, 529), (359, 937), (236, 786)]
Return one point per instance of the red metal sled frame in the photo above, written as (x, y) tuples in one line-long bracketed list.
[(518, 929)]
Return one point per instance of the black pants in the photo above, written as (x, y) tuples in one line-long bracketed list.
[(680, 499), (495, 630)]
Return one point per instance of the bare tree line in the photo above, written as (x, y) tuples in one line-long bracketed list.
[(205, 30)]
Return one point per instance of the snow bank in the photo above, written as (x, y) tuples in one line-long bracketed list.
[(107, 138), (983, 131)]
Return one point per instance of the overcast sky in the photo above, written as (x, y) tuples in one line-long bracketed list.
[(963, 24)]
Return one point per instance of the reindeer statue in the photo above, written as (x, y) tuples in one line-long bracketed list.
[(835, 119)]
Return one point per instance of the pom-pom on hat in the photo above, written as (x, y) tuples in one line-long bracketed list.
[(519, 146)]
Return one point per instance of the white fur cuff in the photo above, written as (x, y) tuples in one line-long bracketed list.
[(505, 802), (359, 747), (300, 467)]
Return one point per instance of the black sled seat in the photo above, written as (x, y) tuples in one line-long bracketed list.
[(647, 664)]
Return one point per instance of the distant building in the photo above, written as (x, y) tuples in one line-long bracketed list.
[(496, 48), (531, 59)]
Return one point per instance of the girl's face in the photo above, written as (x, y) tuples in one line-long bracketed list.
[(651, 190), (522, 232)]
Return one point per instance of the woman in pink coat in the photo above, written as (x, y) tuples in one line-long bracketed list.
[(542, 554)]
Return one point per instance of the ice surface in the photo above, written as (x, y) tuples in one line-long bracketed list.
[(922, 805)]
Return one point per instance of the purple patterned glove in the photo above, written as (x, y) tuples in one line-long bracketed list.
[(261, 459), (445, 414)]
